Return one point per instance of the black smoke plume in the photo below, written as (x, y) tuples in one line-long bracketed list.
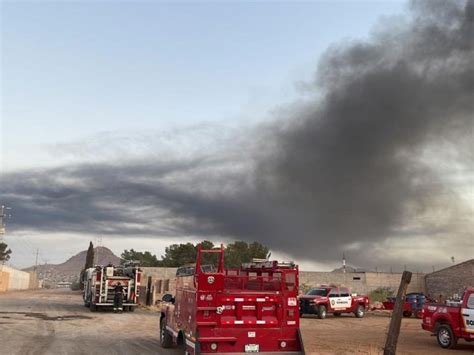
[(381, 153)]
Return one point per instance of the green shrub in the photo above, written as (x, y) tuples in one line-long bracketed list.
[(380, 294)]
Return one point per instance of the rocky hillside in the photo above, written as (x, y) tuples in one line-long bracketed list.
[(70, 270)]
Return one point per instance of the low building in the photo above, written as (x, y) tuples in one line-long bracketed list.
[(451, 281)]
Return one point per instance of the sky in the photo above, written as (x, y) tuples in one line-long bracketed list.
[(149, 123)]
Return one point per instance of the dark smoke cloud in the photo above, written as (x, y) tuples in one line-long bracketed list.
[(348, 170)]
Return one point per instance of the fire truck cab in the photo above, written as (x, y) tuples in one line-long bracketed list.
[(250, 309)]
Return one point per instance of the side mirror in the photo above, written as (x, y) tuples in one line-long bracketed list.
[(168, 298)]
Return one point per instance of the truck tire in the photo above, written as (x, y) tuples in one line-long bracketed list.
[(92, 307), (131, 308), (359, 312), (337, 314), (407, 314), (445, 337), (322, 312), (166, 340)]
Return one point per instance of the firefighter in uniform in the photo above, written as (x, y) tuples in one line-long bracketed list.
[(118, 297)]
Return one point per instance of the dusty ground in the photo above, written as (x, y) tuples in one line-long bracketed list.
[(55, 322), (350, 335)]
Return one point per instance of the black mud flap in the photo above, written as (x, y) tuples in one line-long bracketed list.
[(300, 338)]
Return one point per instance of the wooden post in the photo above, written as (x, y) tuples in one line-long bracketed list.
[(394, 330), (148, 292)]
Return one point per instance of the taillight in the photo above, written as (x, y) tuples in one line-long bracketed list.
[(98, 276), (139, 277)]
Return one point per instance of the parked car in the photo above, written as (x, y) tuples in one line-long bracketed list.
[(413, 304)]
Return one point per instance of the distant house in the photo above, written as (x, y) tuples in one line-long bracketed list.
[(450, 281)]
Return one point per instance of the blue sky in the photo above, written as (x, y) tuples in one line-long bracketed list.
[(70, 70)]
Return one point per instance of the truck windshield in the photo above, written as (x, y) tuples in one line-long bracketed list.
[(318, 292)]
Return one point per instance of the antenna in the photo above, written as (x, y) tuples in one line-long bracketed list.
[(343, 263)]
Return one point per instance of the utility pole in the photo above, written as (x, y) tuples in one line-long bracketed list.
[(36, 261), (3, 217)]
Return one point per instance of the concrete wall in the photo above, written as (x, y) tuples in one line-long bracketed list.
[(163, 281), (4, 280), (34, 282), (361, 282), (450, 281), (17, 280)]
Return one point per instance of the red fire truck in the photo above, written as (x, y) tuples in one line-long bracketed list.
[(100, 282), (250, 309)]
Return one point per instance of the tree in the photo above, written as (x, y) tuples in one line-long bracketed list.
[(242, 252), (180, 254), (144, 258), (89, 257), (89, 263), (4, 252)]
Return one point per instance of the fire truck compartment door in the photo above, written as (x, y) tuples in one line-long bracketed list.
[(253, 310)]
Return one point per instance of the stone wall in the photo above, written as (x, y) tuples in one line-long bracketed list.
[(450, 281)]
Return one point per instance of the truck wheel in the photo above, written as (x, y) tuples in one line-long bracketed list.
[(445, 337), (131, 309), (166, 340), (322, 312), (359, 312), (92, 307), (407, 314), (337, 314)]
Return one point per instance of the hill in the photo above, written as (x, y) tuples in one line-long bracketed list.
[(70, 270)]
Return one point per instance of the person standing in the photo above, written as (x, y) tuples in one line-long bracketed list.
[(118, 297)]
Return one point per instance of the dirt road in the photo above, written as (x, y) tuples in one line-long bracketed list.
[(350, 335), (55, 322)]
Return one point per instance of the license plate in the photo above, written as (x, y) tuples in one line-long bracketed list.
[(251, 348)]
